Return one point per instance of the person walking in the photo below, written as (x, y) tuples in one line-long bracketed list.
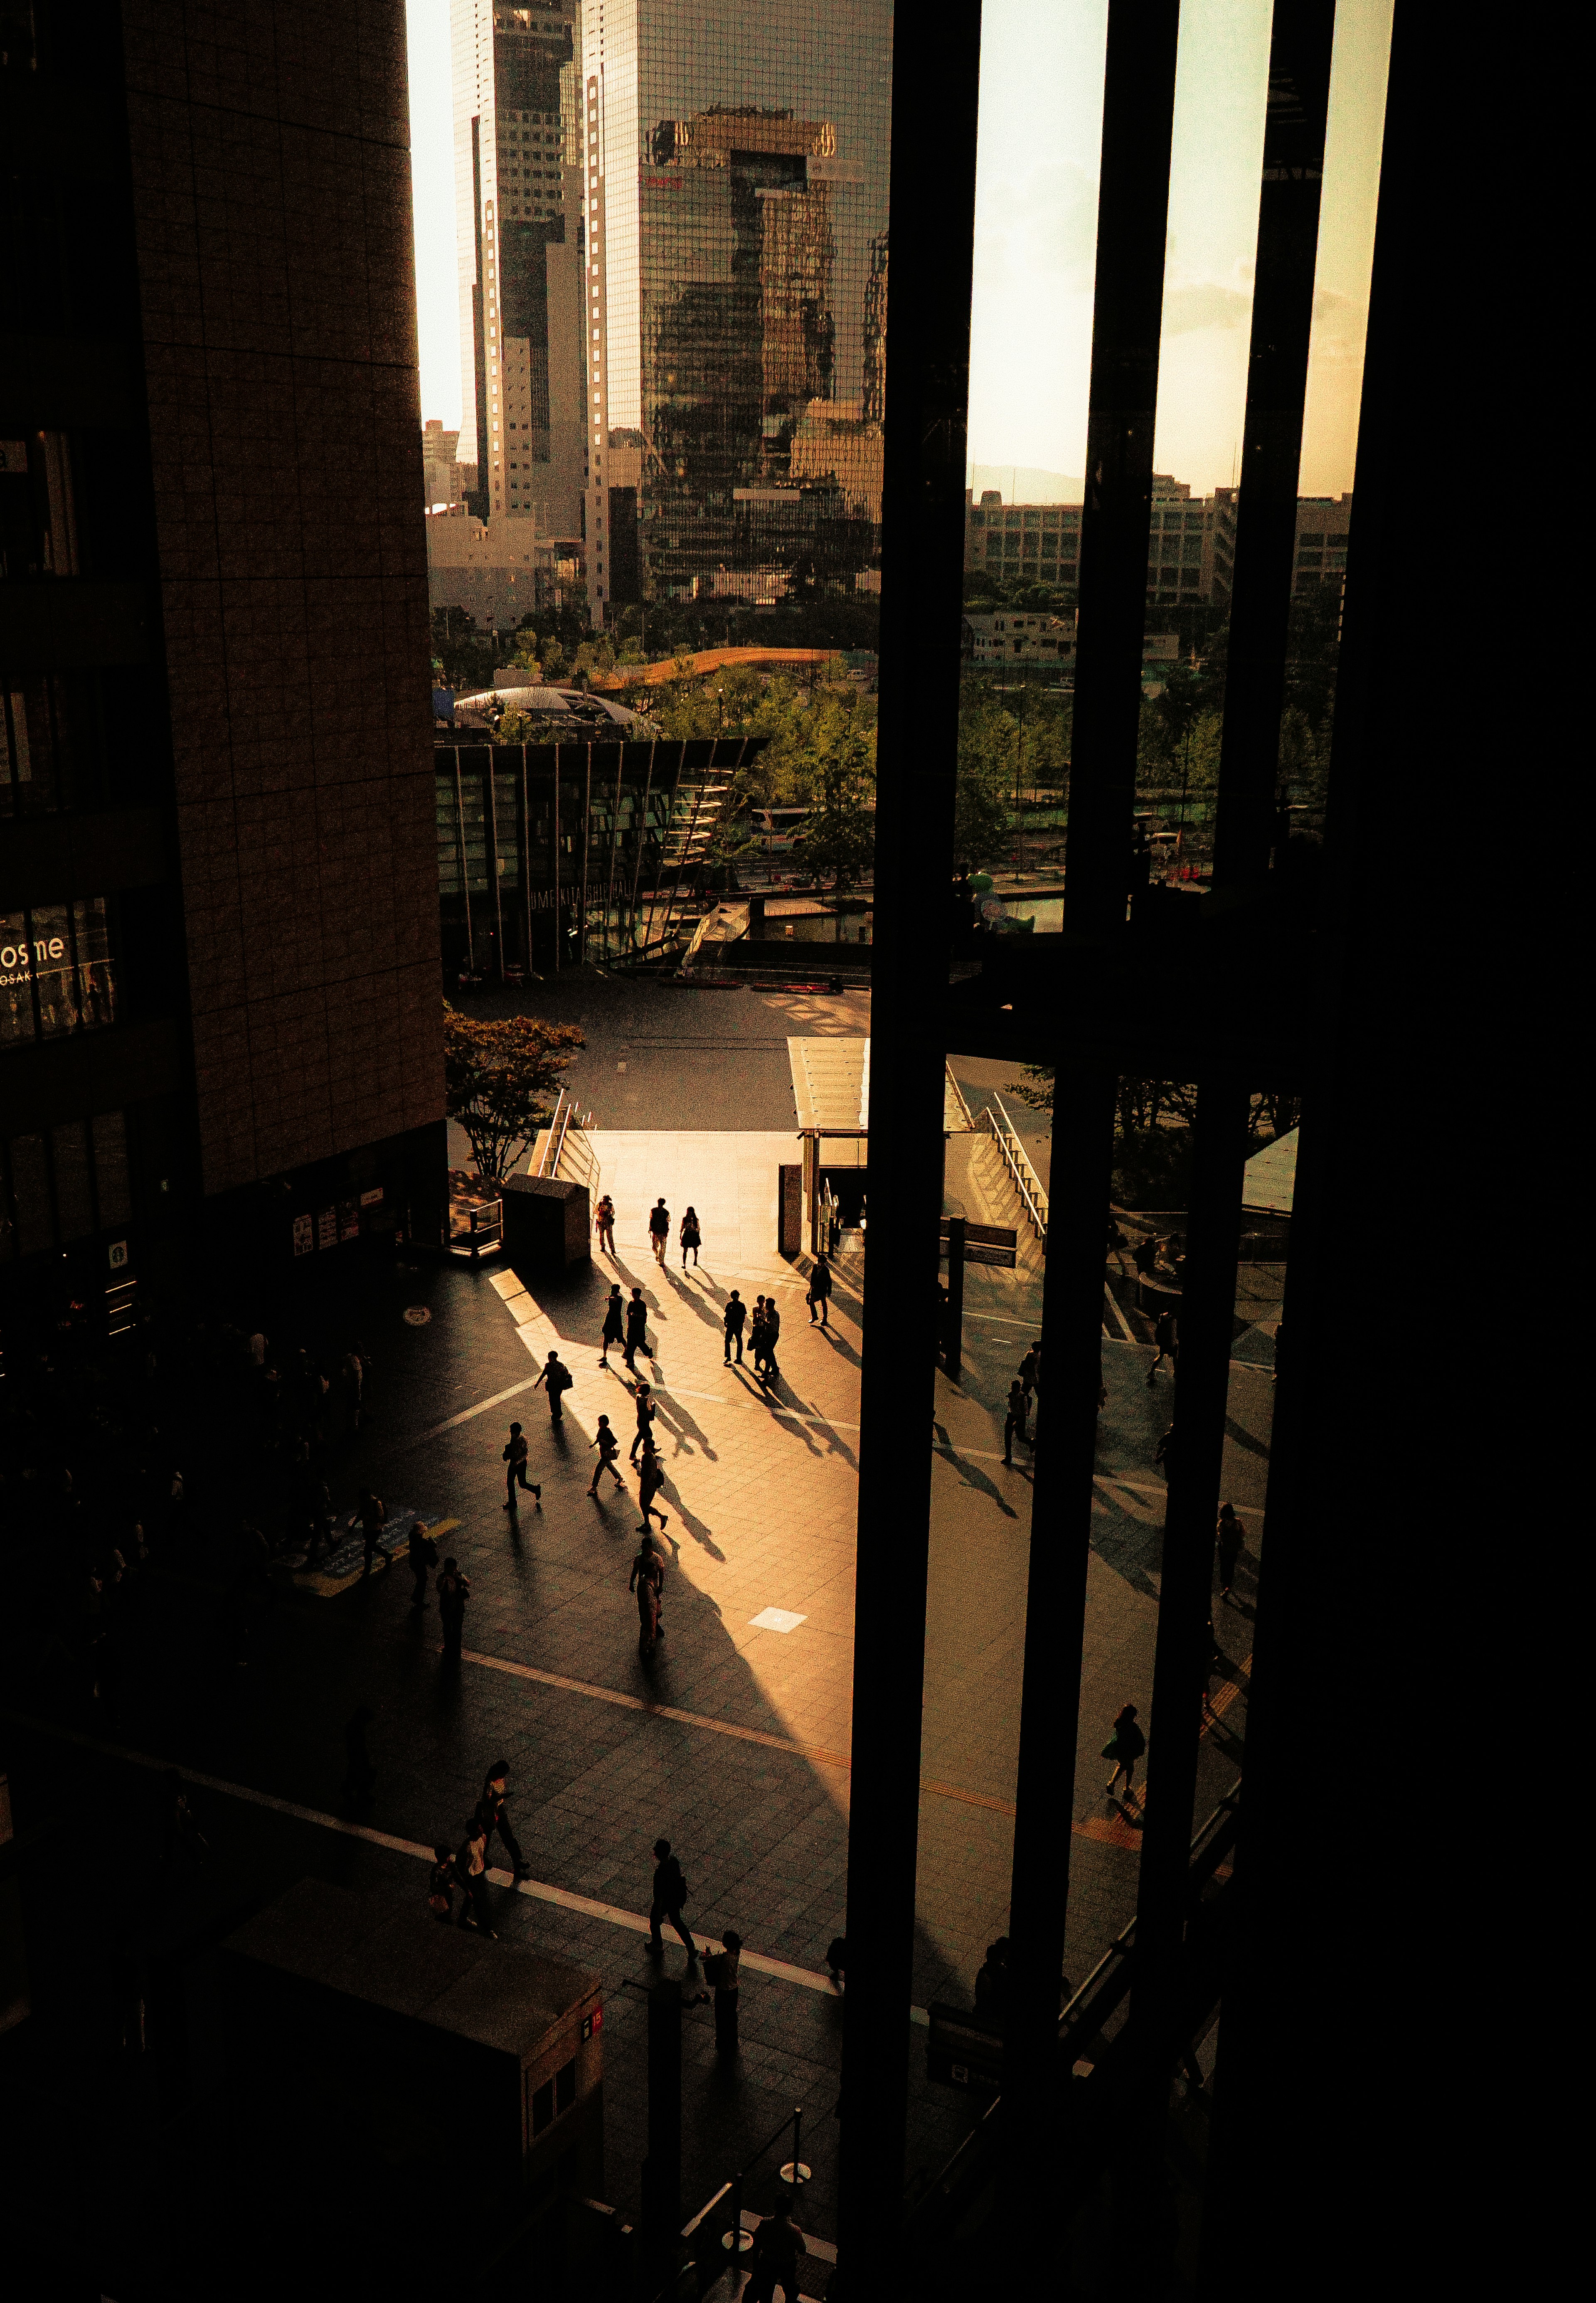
[(637, 1329), (992, 1979), (649, 1583), (720, 1971), (1229, 1538), (453, 1590), (470, 1871), (373, 1515), (1167, 1334), (439, 1886), (642, 1436), (756, 1336), (515, 1460), (603, 1224), (1144, 1255), (609, 1449), (493, 1815), (558, 1378), (1125, 1747), (820, 1292), (772, 1331), (1030, 1373), (614, 1328), (1014, 1422), (773, 2261), (690, 1236), (423, 1556), (659, 1229), (733, 1320), (651, 1479), (669, 1893)]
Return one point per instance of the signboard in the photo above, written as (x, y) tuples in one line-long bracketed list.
[(985, 1243), (348, 1220), (116, 1255), (593, 2023), (326, 1228), (304, 1242), (372, 1199)]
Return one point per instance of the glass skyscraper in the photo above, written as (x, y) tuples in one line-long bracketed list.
[(735, 259)]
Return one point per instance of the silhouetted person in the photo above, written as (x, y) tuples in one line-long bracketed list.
[(649, 1583), (493, 1815), (669, 1893), (820, 1293), (637, 1327), (732, 1320), (515, 1474), (691, 1236), (423, 1556), (558, 1378), (1014, 1420), (659, 1229), (609, 1449), (778, 2244), (651, 1479), (373, 1515), (773, 1332), (615, 1327), (1229, 1536), (453, 1590), (1125, 1747), (1167, 1335), (603, 1224), (470, 1870), (991, 1985), (439, 1886), (644, 1402)]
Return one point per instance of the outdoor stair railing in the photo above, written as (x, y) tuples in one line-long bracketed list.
[(565, 1148), (1027, 1183)]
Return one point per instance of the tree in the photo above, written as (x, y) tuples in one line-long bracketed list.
[(982, 808), (495, 1078), (838, 835)]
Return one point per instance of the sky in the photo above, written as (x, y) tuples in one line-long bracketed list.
[(1036, 225)]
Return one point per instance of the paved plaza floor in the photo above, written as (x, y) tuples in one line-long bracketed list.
[(734, 1740)]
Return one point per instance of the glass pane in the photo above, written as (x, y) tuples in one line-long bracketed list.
[(110, 1169), (31, 1195)]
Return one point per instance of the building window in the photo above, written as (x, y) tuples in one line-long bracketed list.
[(63, 1185), (56, 974)]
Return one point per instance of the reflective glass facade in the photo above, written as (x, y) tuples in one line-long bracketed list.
[(736, 215)]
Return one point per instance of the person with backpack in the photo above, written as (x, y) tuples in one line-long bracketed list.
[(1125, 1747), (515, 1460), (659, 1229), (669, 1893), (558, 1378), (603, 1224), (637, 1329), (615, 1327), (609, 1449)]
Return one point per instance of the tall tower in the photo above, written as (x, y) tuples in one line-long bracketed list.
[(518, 209), (736, 201)]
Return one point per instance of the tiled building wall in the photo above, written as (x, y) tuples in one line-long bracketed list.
[(272, 187)]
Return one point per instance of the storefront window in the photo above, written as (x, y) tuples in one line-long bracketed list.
[(56, 973)]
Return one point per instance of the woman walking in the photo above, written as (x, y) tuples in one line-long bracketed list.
[(648, 1581), (609, 1447), (603, 1224), (615, 1325), (1125, 1747), (651, 1479), (690, 1236)]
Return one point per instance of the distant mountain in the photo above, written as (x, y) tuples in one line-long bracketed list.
[(1024, 484)]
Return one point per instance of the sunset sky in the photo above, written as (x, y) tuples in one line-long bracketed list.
[(1036, 222)]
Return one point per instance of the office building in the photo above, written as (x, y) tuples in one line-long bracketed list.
[(445, 481), (218, 961), (519, 224), (737, 286), (1040, 543), (499, 570)]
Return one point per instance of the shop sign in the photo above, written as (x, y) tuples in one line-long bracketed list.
[(326, 1228), (304, 1242)]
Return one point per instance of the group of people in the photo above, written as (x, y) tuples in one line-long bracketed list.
[(465, 1868), (689, 1235)]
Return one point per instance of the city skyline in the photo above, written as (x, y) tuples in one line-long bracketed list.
[(1035, 227)]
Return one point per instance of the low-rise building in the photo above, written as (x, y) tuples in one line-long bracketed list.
[(499, 570), (1040, 543), (1013, 635)]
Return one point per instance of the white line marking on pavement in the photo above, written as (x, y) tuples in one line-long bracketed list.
[(465, 1415), (635, 1922), (1124, 1335)]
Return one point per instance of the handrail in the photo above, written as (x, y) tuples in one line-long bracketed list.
[(542, 1168), (1026, 1182), (966, 1124)]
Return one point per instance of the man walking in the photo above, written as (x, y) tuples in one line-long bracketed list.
[(558, 1379), (778, 2244), (491, 1814), (756, 1336), (609, 1447), (373, 1515), (732, 1320), (515, 1459), (470, 1869), (1014, 1422), (1167, 1332), (637, 1329), (423, 1555), (772, 1329), (642, 1436), (651, 1479), (453, 1590), (669, 1893), (615, 1330), (820, 1292), (1030, 1373), (659, 1229), (1229, 1538)]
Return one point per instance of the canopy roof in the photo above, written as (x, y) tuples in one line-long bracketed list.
[(831, 1085), (1270, 1177)]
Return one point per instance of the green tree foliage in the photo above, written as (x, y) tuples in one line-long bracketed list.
[(496, 1078), (1153, 1131), (838, 837), (467, 653), (983, 811)]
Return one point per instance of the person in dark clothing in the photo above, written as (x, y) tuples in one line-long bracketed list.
[(645, 1415), (773, 1332), (1014, 1421), (373, 1515), (836, 1957), (453, 1590), (637, 1329), (1167, 1333), (515, 1461), (1117, 1242), (659, 1228), (439, 1886), (692, 1236), (1125, 1747), (991, 1985), (1030, 1373), (470, 1870), (491, 1814), (609, 1447), (614, 1328), (720, 1971), (756, 1336), (669, 1893), (558, 1378), (648, 1581), (1229, 1536), (359, 1772), (732, 1320), (778, 2244), (423, 1556), (820, 1293), (651, 1479), (1144, 1256)]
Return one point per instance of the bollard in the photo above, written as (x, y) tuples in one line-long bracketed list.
[(737, 2241), (794, 2173)]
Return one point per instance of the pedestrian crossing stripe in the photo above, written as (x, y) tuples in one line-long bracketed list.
[(342, 1567)]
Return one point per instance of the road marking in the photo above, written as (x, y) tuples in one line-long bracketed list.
[(539, 1890), (1124, 1335), (465, 1415)]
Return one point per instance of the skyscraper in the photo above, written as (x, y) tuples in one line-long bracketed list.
[(736, 219), (518, 220)]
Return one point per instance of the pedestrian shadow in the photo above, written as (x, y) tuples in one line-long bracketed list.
[(694, 1525), (1128, 1546), (969, 1474), (787, 1404), (840, 1344), (697, 1304), (1233, 1430)]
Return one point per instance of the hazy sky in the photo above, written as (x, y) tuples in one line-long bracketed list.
[(1035, 224)]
